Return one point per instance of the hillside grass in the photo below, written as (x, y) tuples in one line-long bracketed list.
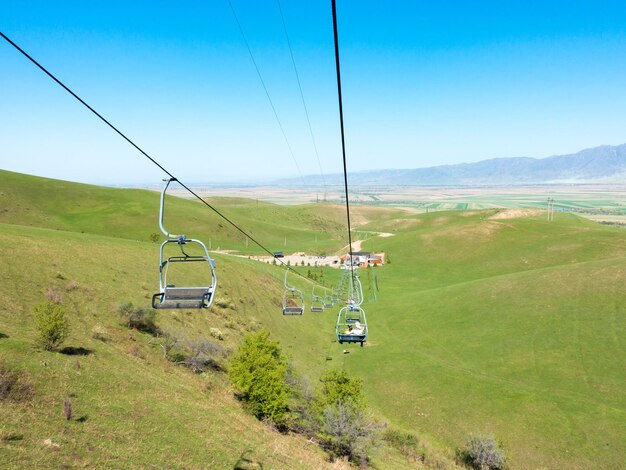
[(508, 326), (484, 323), (133, 214), (136, 407)]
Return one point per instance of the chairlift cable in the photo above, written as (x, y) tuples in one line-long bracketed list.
[(267, 93), (306, 111), (161, 167), (343, 141)]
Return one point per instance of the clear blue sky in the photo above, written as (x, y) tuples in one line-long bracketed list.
[(425, 83)]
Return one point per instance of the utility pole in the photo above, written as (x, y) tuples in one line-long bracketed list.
[(550, 209)]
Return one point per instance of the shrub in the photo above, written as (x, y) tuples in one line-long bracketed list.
[(99, 332), (339, 386), (258, 371), (484, 453), (225, 303), (72, 286), (14, 385), (346, 431), (54, 295), (67, 408), (138, 318), (217, 334), (338, 417), (203, 355), (405, 442), (52, 325)]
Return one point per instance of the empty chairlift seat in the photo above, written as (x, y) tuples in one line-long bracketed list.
[(293, 299), (170, 295), (317, 303)]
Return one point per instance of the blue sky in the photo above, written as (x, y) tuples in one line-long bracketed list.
[(425, 83)]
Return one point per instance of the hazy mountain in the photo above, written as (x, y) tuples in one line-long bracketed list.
[(604, 164)]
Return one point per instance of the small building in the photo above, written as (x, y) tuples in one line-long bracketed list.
[(362, 259), (375, 260)]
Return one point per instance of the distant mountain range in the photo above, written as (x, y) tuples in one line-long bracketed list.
[(604, 164)]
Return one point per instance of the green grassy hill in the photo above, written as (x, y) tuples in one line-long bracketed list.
[(138, 408), (133, 214), (485, 322), (511, 326)]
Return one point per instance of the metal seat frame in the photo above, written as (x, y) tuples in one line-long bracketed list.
[(291, 293), (177, 297), (317, 303), (350, 314)]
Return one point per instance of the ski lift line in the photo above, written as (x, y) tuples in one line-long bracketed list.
[(306, 111), (343, 140), (161, 167), (280, 124)]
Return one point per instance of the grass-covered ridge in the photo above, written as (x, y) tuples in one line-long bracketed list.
[(133, 214)]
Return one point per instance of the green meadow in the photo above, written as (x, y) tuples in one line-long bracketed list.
[(485, 321)]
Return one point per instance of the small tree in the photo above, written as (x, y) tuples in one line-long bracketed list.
[(259, 372), (347, 431), (343, 425), (52, 325), (339, 386)]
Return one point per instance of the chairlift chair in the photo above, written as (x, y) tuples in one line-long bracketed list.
[(353, 314), (171, 296), (293, 299), (351, 331), (317, 303), (328, 300)]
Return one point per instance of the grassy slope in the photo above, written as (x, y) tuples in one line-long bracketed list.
[(133, 214), (510, 326), (138, 410), (41, 202)]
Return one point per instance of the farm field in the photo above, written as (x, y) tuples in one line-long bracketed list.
[(597, 202), (485, 321)]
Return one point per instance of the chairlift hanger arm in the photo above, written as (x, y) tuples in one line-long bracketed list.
[(162, 212)]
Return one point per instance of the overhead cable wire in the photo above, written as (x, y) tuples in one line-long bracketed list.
[(267, 93), (161, 167), (343, 140), (306, 111)]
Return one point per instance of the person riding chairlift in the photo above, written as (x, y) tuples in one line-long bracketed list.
[(356, 330)]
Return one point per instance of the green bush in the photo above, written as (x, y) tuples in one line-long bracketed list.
[(342, 423), (259, 372), (339, 386), (139, 318), (52, 325), (405, 442)]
